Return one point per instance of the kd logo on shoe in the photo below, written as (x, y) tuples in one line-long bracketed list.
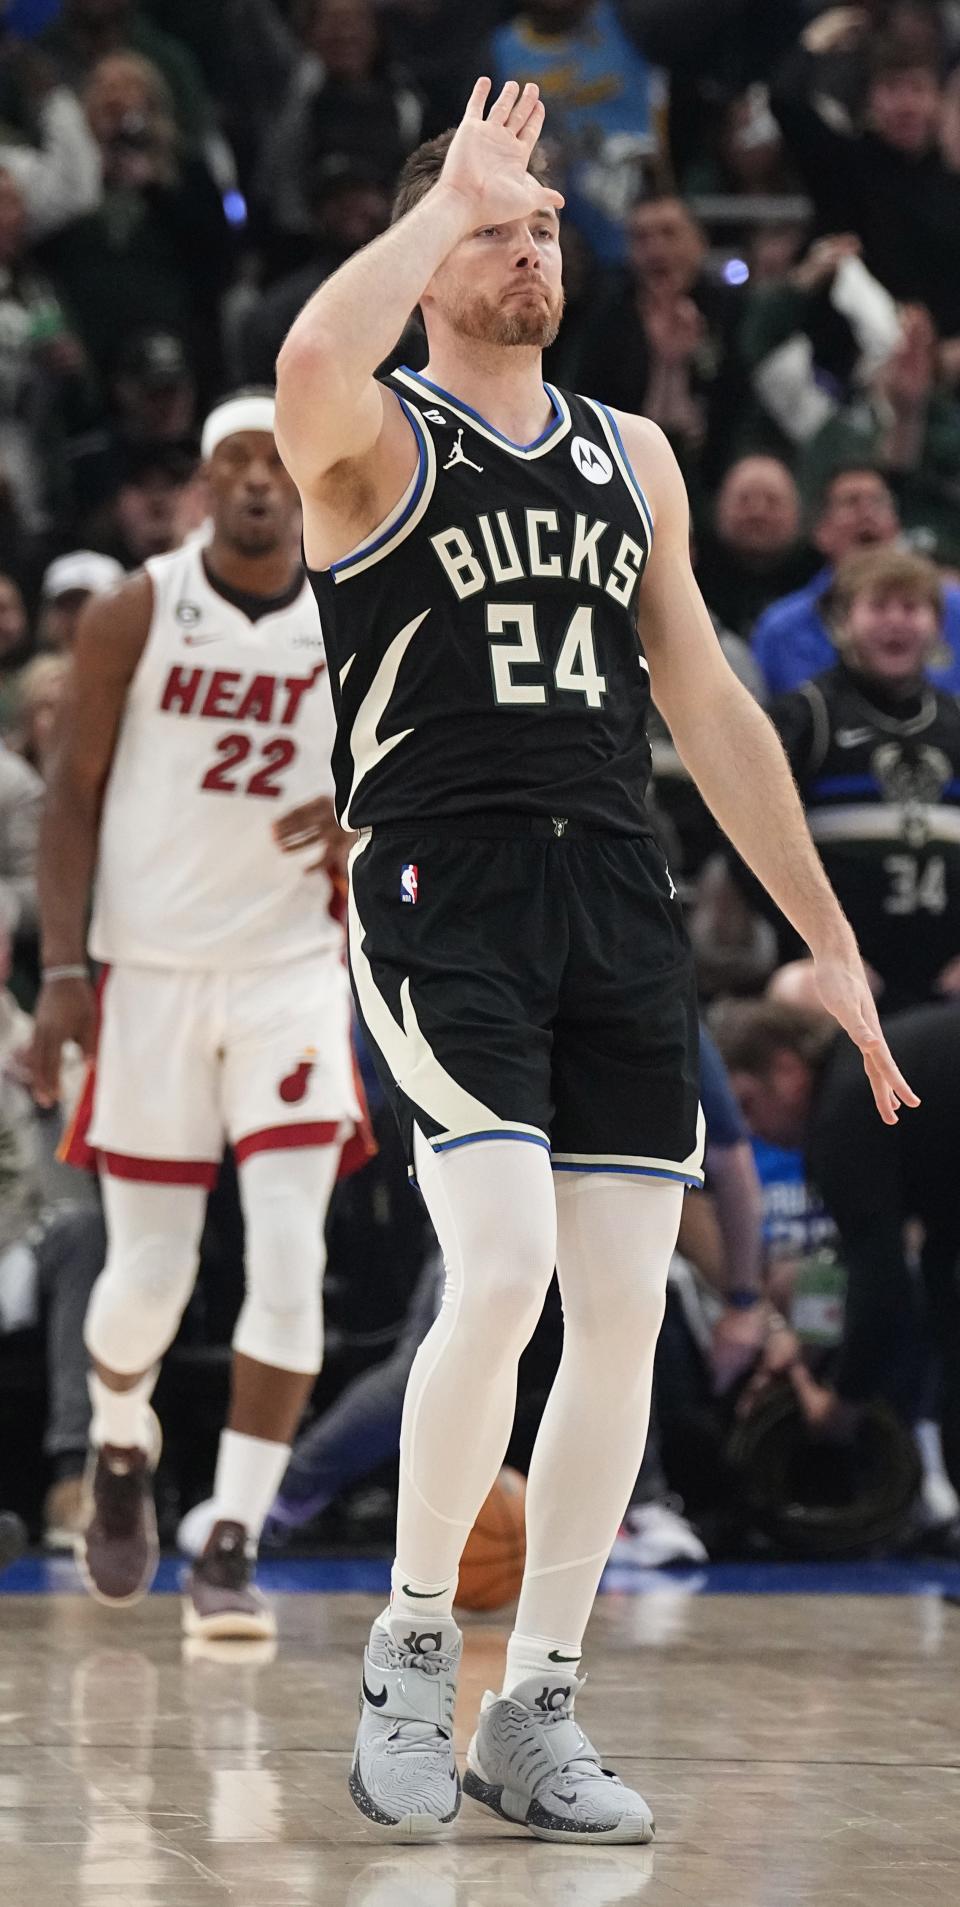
[(551, 1700), (426, 1644)]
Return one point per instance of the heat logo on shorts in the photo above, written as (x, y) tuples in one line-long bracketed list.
[(294, 1087), (409, 883)]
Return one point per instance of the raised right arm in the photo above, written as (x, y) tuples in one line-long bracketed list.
[(329, 404), (331, 413), (110, 640)]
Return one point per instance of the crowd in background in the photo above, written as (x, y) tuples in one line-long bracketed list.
[(760, 254)]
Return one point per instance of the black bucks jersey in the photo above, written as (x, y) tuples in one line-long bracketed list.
[(880, 782), (483, 641)]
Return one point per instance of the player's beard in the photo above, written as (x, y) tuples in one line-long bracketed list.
[(480, 318)]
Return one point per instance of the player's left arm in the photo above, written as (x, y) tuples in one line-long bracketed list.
[(735, 757)]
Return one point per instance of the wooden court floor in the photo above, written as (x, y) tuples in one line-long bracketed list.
[(796, 1749)]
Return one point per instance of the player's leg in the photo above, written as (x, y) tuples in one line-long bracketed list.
[(277, 1354), (494, 1210), (157, 1132), (626, 1136), (289, 1099), (459, 1028), (615, 1240), (153, 1238)]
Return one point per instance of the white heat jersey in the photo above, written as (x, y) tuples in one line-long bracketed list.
[(228, 723)]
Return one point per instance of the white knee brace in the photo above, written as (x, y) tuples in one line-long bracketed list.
[(285, 1197), (153, 1236)]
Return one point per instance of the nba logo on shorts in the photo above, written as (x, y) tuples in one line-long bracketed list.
[(409, 882)]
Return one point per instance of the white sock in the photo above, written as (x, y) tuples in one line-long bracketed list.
[(121, 1418), (539, 1655), (249, 1474), (417, 1601)]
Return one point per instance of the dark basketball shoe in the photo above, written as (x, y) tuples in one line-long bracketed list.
[(118, 1551), (221, 1600)]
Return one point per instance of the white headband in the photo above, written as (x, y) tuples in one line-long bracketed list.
[(237, 413)]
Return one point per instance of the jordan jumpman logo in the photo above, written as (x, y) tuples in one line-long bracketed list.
[(459, 456)]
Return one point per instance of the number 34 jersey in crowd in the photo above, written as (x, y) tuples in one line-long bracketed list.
[(228, 723), (493, 662), (880, 781)]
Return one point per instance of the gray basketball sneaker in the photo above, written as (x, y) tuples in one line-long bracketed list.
[(532, 1764), (404, 1773)]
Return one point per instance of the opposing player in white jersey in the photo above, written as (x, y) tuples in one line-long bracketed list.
[(199, 711)]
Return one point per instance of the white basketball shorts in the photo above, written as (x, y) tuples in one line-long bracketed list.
[(187, 1060)]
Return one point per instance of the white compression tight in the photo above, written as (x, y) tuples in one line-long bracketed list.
[(153, 1234), (503, 1220)]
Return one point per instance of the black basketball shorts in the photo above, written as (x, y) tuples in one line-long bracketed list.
[(520, 978)]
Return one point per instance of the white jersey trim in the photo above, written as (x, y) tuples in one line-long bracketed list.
[(688, 1170), (555, 432), (608, 425), (883, 821), (404, 516)]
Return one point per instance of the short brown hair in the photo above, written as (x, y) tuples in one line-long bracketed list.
[(750, 1034), (423, 169), (886, 571)]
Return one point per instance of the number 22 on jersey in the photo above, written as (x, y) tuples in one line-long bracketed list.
[(234, 751)]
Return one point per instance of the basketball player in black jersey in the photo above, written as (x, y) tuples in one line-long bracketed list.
[(484, 550)]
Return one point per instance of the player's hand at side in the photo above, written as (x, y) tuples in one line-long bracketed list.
[(65, 1010), (314, 825), (844, 989), (488, 159)]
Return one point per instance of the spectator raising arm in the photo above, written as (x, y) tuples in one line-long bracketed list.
[(60, 178)]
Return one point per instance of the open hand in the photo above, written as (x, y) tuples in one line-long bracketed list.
[(823, 260), (843, 987), (488, 159)]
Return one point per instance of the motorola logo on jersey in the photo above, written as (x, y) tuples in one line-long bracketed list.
[(187, 614), (592, 462)]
